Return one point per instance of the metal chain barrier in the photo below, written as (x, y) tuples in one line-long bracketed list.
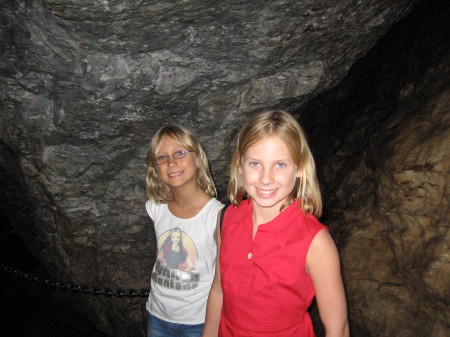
[(76, 288)]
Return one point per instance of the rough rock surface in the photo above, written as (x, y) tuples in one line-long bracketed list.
[(85, 84), (385, 174)]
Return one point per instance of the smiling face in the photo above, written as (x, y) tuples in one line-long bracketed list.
[(268, 174), (175, 236), (176, 173)]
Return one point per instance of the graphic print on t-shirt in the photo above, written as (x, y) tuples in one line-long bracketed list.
[(175, 263)]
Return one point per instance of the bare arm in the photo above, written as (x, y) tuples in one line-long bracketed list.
[(322, 263), (215, 298)]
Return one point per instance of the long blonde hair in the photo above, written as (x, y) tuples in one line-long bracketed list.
[(284, 126), (157, 190)]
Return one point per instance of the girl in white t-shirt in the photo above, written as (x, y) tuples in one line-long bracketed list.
[(184, 211)]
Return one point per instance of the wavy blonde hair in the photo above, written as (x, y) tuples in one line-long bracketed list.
[(155, 189), (284, 126)]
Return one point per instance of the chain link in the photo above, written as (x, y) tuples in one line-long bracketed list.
[(76, 288)]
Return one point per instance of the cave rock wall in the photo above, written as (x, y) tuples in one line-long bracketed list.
[(85, 84)]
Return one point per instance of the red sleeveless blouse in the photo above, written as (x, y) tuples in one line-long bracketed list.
[(266, 290)]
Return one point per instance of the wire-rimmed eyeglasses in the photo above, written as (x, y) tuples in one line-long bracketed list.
[(176, 155)]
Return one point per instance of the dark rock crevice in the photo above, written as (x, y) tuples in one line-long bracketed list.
[(384, 173)]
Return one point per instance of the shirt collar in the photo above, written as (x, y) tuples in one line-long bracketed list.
[(280, 227)]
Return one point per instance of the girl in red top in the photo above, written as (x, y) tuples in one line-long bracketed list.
[(275, 255)]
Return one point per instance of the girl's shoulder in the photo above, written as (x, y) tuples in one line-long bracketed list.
[(307, 222), (153, 209), (215, 203), (212, 207), (237, 213)]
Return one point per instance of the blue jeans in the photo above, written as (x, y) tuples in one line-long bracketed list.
[(158, 328)]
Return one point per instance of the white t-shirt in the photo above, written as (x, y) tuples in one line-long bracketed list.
[(184, 267)]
